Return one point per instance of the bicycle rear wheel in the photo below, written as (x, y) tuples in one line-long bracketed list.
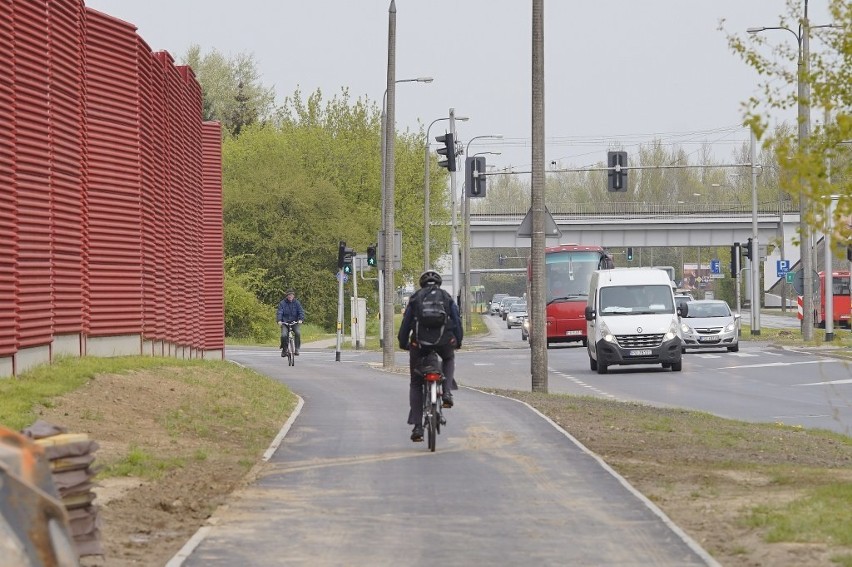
[(291, 352), (432, 427)]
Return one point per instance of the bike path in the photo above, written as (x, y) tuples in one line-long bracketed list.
[(505, 486)]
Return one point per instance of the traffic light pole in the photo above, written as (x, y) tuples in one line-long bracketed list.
[(455, 229), (755, 248), (339, 314)]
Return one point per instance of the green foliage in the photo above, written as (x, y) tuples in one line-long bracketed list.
[(816, 165), (231, 89), (245, 316)]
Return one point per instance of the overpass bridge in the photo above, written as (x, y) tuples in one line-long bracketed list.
[(639, 224)]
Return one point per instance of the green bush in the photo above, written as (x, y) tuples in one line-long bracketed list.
[(245, 316)]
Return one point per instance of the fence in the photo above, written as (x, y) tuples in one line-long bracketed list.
[(111, 199)]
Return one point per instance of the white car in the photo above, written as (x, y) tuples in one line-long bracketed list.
[(516, 314), (709, 323)]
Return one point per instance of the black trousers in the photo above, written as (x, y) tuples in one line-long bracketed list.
[(415, 389)]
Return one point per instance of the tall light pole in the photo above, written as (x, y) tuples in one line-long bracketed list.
[(427, 261), (384, 137), (804, 118), (468, 301)]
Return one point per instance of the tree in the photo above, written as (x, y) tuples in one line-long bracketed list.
[(231, 89), (805, 168)]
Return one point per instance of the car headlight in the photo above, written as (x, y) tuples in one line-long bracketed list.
[(730, 327), (672, 332), (606, 334), (685, 328)]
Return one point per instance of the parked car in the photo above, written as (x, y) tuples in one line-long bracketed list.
[(709, 323), (494, 306), (516, 314), (505, 303)]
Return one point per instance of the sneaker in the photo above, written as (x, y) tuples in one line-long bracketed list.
[(447, 400), (283, 353), (417, 434), (297, 353)]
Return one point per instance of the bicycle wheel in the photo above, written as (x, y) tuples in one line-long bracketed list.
[(291, 352), (432, 428)]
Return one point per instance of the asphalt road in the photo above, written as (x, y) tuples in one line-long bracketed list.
[(505, 487)]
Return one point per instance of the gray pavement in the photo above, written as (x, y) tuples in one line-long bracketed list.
[(506, 486)]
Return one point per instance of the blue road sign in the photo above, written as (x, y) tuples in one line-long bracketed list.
[(781, 268), (715, 267)]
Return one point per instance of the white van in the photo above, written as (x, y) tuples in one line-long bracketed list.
[(632, 318)]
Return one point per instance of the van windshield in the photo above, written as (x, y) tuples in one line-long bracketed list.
[(636, 299)]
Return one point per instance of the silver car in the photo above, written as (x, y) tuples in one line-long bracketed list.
[(516, 314), (709, 323)]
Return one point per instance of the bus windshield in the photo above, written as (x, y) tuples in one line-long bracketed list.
[(568, 274)]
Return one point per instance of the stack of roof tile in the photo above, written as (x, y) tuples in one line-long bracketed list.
[(71, 456)]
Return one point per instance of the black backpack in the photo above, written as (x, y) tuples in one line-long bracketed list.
[(432, 317)]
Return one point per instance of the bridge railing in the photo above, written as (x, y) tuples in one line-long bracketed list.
[(628, 210)]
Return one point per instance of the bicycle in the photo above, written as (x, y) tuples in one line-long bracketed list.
[(290, 348), (433, 385)]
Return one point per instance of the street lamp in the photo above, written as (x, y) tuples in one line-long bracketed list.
[(468, 307), (804, 115), (426, 221), (383, 136)]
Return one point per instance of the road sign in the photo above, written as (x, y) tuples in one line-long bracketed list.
[(345, 277), (715, 267), (799, 282), (790, 276), (781, 268)]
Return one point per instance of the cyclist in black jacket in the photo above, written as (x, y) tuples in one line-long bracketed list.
[(450, 341)]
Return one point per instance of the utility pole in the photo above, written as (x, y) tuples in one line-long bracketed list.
[(538, 331), (389, 221), (804, 96)]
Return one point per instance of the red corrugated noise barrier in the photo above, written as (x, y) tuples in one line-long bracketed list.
[(110, 187)]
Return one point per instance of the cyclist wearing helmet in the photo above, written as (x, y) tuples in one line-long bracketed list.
[(289, 310), (450, 340)]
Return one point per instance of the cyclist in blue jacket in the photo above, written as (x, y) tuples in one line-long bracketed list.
[(289, 309)]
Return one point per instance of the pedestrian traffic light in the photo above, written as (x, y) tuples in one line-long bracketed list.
[(629, 253), (616, 175), (748, 250), (344, 257), (448, 151), (474, 178), (371, 255), (735, 259)]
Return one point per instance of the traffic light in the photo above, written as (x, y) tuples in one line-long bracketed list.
[(735, 259), (371, 255), (344, 257), (748, 250), (500, 260), (448, 151), (629, 253), (616, 176), (474, 180)]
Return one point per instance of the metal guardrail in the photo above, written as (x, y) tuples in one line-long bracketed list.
[(632, 210)]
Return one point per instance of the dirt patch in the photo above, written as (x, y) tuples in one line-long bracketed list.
[(146, 521)]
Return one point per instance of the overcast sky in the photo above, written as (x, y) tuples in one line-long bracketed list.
[(617, 72)]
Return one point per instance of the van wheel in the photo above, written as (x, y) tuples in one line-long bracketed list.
[(593, 364), (666, 365), (585, 341), (676, 366), (602, 368)]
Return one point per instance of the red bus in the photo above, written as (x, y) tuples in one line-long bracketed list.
[(840, 305), (568, 269)]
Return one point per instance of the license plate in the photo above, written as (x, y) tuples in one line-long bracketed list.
[(578, 332), (708, 339), (640, 353)]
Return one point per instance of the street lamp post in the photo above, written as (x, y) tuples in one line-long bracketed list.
[(468, 307), (804, 116), (427, 261), (383, 135)]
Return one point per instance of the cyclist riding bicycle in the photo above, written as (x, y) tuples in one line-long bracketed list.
[(289, 310), (414, 336)]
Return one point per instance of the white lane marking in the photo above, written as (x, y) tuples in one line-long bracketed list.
[(582, 384), (829, 383), (768, 364), (483, 364)]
